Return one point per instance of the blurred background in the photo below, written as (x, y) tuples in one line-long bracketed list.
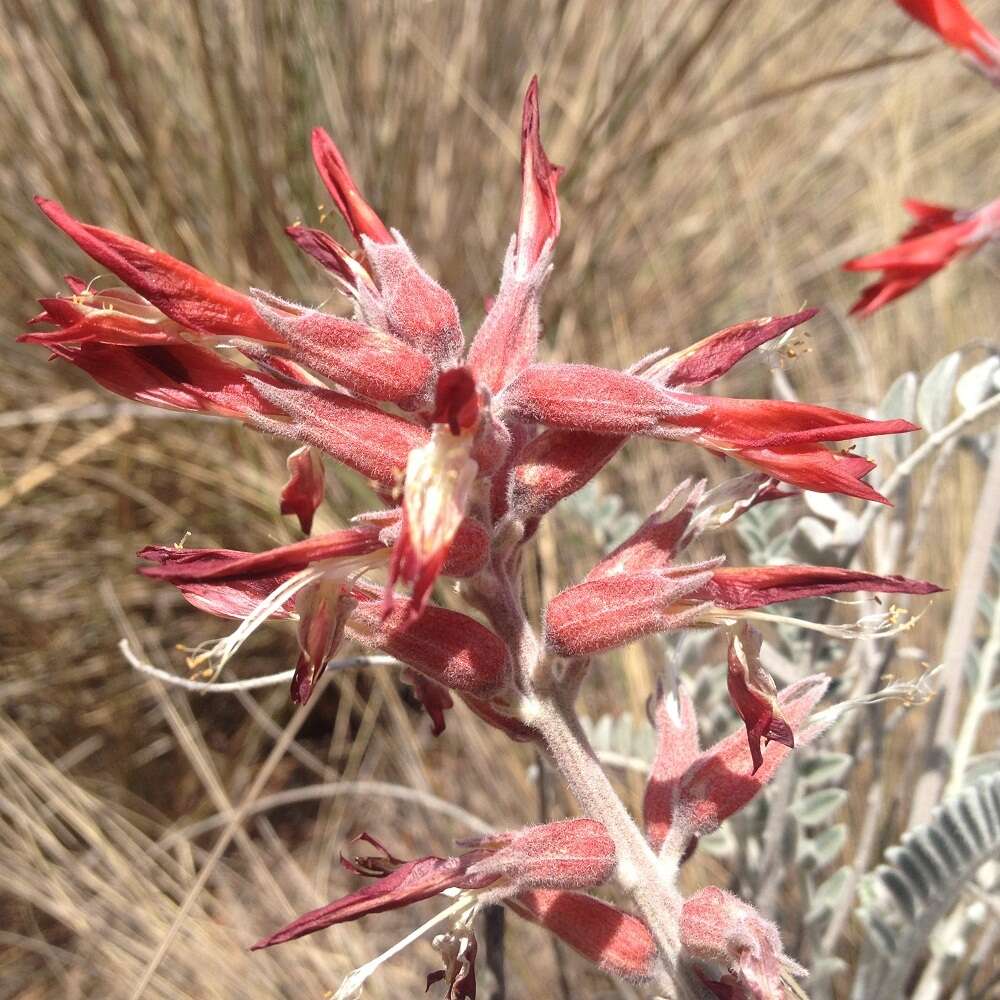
[(724, 157)]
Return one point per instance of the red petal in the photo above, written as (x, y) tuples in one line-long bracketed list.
[(740, 588), (217, 565), (410, 883), (712, 357), (326, 250), (539, 221), (173, 376)]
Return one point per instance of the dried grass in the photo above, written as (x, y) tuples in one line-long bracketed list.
[(724, 158)]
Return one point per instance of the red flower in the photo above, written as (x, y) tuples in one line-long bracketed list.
[(779, 437), (716, 927), (192, 299), (316, 579), (939, 236), (609, 611), (172, 376), (952, 21), (574, 853)]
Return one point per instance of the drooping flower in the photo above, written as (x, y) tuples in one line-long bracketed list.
[(754, 694), (954, 23), (303, 493), (939, 236)]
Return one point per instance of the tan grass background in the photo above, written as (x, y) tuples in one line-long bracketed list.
[(724, 157)]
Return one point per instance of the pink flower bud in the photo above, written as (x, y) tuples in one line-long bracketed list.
[(539, 222), (326, 251), (178, 290), (358, 214), (754, 694), (361, 436), (717, 927), (366, 361), (556, 464), (446, 646), (303, 493), (410, 304), (616, 941), (610, 611), (708, 359), (655, 544)]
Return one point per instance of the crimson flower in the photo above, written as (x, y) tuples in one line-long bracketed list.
[(952, 21), (939, 236)]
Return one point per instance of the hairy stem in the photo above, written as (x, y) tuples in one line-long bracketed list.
[(648, 882)]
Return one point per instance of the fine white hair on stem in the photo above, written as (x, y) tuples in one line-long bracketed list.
[(250, 683)]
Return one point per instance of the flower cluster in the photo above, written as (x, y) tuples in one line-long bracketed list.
[(466, 449), (939, 234), (540, 873)]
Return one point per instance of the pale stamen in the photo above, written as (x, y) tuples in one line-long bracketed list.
[(351, 987)]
